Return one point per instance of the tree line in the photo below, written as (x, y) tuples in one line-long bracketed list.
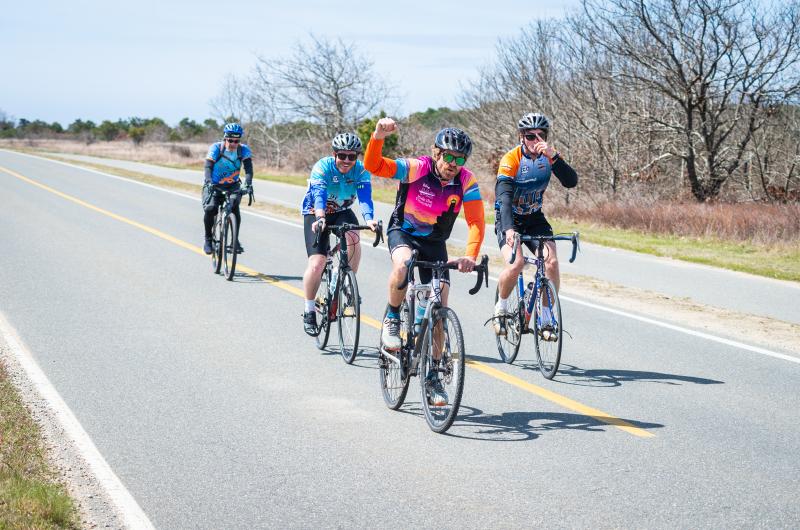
[(675, 99)]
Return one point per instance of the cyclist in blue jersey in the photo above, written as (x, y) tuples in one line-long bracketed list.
[(224, 163), (333, 186), (522, 178)]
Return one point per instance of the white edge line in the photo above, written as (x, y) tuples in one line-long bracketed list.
[(673, 327), (128, 509)]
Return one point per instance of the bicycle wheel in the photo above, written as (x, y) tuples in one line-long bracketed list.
[(394, 377), (349, 317), (449, 369), (508, 344), (322, 305), (230, 240), (216, 244), (548, 333)]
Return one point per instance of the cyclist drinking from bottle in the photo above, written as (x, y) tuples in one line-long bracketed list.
[(223, 166), (431, 193), (522, 178), (333, 186)]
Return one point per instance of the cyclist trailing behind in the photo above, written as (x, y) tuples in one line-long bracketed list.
[(431, 193), (223, 166), (335, 182), (522, 178)]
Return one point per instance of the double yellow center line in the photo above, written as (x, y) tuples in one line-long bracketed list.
[(549, 395)]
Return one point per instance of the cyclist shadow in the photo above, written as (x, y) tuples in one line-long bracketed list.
[(575, 375), (367, 356), (246, 277), (519, 426)]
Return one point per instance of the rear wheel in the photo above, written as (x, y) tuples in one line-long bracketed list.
[(548, 332), (349, 317), (229, 247), (394, 374), (448, 341), (216, 244), (508, 344), (322, 305)]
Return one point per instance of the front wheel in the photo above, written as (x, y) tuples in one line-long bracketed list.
[(442, 379), (548, 329), (322, 306), (349, 317), (394, 373), (508, 344), (216, 244), (229, 247)]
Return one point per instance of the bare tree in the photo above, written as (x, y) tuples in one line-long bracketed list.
[(327, 82), (717, 63)]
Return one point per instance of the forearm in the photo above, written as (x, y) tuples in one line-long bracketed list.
[(375, 162), (565, 173), (476, 226), (207, 171), (248, 171), (504, 193)]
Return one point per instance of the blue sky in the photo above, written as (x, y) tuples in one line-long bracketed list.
[(107, 60)]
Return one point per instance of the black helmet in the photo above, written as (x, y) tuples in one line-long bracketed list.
[(533, 120), (346, 142), (454, 139)]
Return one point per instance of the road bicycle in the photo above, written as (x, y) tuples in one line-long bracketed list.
[(537, 299), (225, 233), (337, 298), (432, 345)]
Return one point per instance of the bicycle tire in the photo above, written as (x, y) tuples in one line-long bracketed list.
[(451, 370), (508, 344), (322, 302), (394, 386), (229, 246), (548, 352), (349, 317), (216, 245)]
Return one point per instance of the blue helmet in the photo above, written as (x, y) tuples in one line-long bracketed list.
[(233, 130)]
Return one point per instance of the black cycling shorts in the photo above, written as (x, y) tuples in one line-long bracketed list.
[(337, 218), (534, 224), (428, 250)]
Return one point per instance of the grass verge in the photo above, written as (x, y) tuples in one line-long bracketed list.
[(30, 495)]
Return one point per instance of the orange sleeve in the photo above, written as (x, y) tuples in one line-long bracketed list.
[(473, 211), (509, 164), (377, 164)]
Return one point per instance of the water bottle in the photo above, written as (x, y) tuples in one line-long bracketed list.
[(334, 277), (420, 314), (526, 298)]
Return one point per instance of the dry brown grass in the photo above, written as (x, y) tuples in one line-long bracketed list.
[(758, 224)]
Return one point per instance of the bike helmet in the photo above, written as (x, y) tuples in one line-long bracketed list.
[(533, 120), (346, 142), (454, 139), (233, 130)]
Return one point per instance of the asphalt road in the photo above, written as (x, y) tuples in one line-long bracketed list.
[(217, 411)]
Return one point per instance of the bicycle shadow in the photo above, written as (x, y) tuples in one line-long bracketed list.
[(259, 277), (577, 376), (519, 426), (367, 356)]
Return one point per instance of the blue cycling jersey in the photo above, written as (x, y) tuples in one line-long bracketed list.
[(228, 165), (333, 191)]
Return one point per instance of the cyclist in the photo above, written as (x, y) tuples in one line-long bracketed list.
[(334, 184), (432, 191), (522, 178), (223, 165)]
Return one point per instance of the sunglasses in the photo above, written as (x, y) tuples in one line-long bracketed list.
[(459, 160), (232, 140), (532, 137), (346, 156)]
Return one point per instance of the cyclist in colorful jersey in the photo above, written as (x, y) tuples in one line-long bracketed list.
[(223, 165), (431, 193), (522, 178), (333, 186)]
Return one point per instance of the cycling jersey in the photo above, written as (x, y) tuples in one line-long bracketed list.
[(226, 165), (333, 191), (522, 180), (425, 207)]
